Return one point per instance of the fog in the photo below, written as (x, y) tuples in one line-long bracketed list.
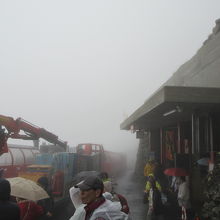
[(79, 68)]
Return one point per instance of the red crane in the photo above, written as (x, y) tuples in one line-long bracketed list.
[(31, 132)]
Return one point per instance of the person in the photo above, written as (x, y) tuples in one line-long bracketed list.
[(48, 203), (158, 170), (108, 186), (184, 198), (123, 201), (160, 176), (155, 207), (3, 141), (104, 176), (29, 210), (96, 206), (1, 172), (8, 210), (149, 184), (149, 168), (148, 188), (175, 184), (109, 193)]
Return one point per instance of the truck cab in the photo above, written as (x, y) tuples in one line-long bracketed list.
[(89, 149)]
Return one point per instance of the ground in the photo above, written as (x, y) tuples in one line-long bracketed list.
[(132, 189)]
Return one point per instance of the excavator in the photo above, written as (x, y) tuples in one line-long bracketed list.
[(14, 128)]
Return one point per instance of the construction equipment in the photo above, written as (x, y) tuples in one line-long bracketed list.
[(96, 157), (31, 132)]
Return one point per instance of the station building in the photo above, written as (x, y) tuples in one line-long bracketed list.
[(180, 122)]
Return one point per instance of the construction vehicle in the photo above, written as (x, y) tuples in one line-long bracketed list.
[(59, 167), (15, 158), (99, 159), (28, 162), (13, 128)]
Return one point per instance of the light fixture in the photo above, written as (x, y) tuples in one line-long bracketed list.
[(177, 109)]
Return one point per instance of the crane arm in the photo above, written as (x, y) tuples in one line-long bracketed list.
[(32, 132)]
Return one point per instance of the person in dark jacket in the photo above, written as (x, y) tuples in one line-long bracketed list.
[(155, 208), (8, 209), (47, 204)]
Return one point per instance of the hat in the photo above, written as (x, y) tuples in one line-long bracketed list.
[(91, 182)]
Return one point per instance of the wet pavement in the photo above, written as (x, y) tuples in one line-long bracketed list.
[(132, 189)]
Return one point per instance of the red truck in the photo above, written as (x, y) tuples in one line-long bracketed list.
[(100, 160)]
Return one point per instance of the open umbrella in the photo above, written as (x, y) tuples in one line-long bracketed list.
[(26, 189), (176, 172)]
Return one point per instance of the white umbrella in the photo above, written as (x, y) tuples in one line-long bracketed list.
[(26, 189)]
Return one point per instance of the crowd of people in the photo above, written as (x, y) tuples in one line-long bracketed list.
[(167, 197), (99, 201)]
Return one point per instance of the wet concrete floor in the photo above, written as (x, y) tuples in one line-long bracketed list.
[(132, 189)]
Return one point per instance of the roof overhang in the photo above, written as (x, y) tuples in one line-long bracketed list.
[(172, 104)]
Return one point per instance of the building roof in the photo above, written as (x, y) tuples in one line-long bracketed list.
[(203, 69), (196, 84), (171, 104)]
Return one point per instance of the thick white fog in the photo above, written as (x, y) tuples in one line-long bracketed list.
[(79, 68)]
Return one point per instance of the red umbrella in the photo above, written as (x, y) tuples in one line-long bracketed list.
[(176, 172)]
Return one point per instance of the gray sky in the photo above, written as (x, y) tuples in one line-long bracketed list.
[(78, 68)]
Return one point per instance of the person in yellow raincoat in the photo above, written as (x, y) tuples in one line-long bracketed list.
[(149, 168), (148, 185)]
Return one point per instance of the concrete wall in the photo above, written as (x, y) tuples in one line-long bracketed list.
[(142, 155)]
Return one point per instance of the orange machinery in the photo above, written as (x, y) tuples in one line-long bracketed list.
[(13, 128)]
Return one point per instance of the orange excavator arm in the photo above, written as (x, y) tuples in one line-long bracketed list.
[(32, 132)]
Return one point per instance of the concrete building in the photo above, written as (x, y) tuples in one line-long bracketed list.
[(180, 122)]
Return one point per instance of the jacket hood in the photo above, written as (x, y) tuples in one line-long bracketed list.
[(5, 189)]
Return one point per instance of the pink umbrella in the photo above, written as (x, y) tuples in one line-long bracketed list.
[(176, 172)]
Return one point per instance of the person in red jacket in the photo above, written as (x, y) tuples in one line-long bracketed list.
[(29, 210), (124, 203)]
